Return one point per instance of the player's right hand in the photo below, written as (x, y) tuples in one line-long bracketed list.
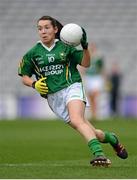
[(41, 86)]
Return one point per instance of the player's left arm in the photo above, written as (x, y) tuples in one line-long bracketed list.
[(86, 58), (86, 54)]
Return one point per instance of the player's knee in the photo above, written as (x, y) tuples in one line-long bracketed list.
[(76, 123)]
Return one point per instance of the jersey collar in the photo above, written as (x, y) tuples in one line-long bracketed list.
[(49, 49)]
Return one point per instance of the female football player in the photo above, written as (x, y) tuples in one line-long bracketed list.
[(57, 79)]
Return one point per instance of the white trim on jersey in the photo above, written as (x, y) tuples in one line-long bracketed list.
[(47, 48)]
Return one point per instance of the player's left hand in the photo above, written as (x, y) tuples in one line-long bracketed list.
[(84, 42)]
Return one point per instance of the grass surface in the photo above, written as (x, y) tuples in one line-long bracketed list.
[(50, 149)]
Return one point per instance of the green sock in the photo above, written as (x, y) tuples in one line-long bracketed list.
[(110, 138), (95, 147)]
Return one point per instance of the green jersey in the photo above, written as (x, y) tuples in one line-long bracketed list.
[(58, 64), (96, 66)]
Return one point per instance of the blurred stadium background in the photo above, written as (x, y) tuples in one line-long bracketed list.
[(111, 24)]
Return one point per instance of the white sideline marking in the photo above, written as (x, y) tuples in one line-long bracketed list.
[(29, 165)]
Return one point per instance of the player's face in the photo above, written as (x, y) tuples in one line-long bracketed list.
[(46, 32)]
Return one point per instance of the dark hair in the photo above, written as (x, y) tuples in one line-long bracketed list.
[(54, 22)]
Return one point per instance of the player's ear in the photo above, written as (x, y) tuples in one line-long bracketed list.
[(59, 27), (57, 32), (56, 29)]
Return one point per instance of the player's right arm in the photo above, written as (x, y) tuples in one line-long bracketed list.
[(39, 85), (26, 70), (26, 80)]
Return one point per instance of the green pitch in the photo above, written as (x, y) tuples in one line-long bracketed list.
[(50, 149)]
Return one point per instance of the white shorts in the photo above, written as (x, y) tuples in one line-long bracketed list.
[(94, 83), (58, 101)]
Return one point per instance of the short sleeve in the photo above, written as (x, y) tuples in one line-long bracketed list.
[(25, 66), (76, 55)]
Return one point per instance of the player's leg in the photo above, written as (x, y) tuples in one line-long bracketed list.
[(76, 110), (120, 150), (109, 137), (93, 101)]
